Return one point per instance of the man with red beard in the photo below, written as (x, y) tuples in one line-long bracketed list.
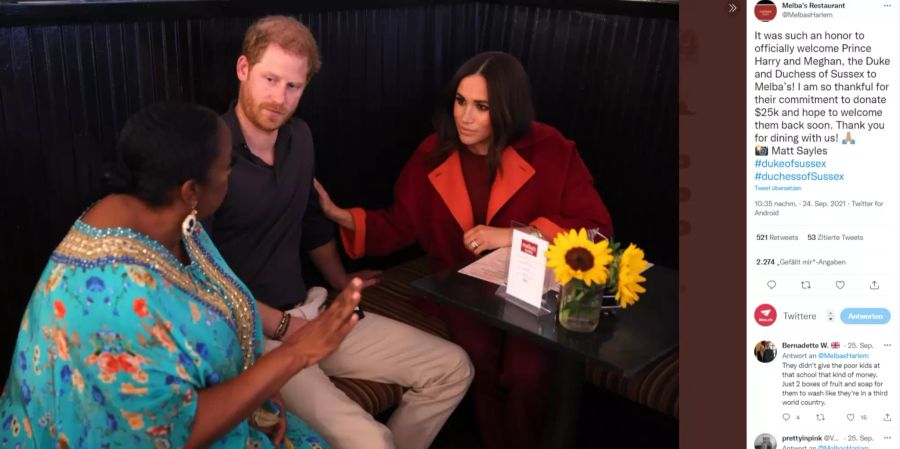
[(271, 212)]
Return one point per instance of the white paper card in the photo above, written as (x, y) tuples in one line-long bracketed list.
[(527, 267), (491, 268)]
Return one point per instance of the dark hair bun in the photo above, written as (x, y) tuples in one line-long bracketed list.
[(162, 146), (117, 178)]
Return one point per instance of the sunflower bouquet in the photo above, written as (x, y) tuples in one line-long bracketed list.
[(586, 270)]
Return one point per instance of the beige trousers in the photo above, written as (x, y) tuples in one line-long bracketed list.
[(436, 372)]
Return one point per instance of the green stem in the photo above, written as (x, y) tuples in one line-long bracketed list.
[(581, 300)]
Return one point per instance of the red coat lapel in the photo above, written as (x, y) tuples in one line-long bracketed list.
[(448, 180), (514, 173)]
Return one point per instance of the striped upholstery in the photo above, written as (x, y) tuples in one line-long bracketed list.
[(372, 396), (656, 387), (392, 297)]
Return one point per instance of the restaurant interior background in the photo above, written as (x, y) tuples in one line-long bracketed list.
[(603, 72)]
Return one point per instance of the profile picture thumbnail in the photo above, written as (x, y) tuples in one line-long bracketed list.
[(765, 351), (765, 441), (765, 10), (761, 150), (765, 314)]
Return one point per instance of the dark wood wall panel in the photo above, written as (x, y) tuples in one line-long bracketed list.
[(606, 79)]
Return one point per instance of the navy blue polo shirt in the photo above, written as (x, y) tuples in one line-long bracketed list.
[(270, 214)]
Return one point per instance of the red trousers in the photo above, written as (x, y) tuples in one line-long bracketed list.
[(511, 382)]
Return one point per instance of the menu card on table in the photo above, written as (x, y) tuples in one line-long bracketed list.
[(524, 264), (527, 268)]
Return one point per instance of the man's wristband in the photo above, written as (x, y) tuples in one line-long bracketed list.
[(282, 326)]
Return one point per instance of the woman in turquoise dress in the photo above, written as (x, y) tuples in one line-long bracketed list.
[(139, 335)]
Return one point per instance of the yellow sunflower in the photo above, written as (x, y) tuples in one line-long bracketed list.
[(631, 264), (574, 255)]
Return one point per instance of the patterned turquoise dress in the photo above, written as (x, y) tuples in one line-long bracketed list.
[(118, 339)]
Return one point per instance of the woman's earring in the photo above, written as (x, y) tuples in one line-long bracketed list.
[(189, 223)]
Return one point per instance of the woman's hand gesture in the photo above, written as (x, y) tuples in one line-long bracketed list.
[(321, 336)]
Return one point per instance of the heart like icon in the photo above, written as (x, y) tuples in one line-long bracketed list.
[(850, 416), (839, 284), (786, 416), (771, 284)]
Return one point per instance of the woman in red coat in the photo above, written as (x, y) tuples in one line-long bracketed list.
[(488, 164)]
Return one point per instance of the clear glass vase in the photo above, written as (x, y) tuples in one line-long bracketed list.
[(579, 306)]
